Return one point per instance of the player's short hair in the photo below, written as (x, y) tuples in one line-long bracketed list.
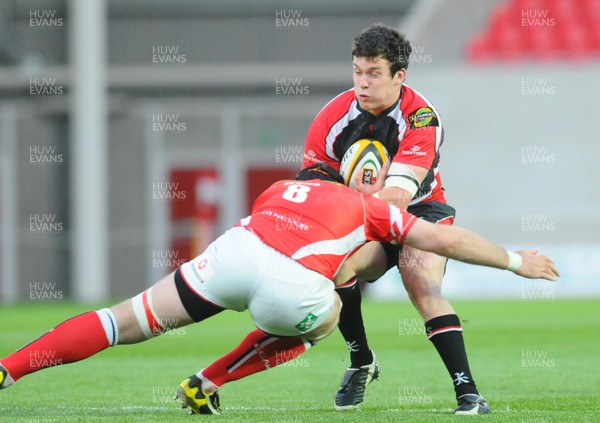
[(380, 40), (320, 171)]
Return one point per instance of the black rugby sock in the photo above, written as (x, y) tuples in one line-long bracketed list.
[(445, 332), (352, 327)]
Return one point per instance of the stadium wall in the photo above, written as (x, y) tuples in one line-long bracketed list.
[(517, 164)]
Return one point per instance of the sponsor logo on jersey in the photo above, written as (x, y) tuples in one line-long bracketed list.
[(306, 323), (415, 150), (311, 156), (202, 264), (422, 117)]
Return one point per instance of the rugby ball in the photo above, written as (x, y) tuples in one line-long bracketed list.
[(365, 157)]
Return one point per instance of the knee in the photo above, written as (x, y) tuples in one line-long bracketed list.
[(369, 263), (421, 285), (330, 323)]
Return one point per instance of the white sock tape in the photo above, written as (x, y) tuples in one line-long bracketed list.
[(109, 323), (145, 314)]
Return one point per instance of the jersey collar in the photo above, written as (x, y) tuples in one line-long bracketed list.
[(385, 112)]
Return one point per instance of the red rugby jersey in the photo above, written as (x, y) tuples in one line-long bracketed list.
[(320, 224), (410, 129)]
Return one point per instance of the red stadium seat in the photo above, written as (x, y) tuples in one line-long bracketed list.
[(480, 49), (545, 44), (565, 10), (539, 30), (576, 42), (511, 44)]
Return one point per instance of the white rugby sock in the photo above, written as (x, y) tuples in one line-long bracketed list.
[(109, 323)]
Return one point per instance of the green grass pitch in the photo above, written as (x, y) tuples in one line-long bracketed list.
[(535, 361)]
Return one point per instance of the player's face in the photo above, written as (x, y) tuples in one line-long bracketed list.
[(376, 89)]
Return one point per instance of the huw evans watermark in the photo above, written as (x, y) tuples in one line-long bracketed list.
[(533, 86), (536, 359), (44, 358), (537, 18), (537, 222), (44, 87), (410, 326), (45, 19), (168, 191), (413, 395), (290, 18), (44, 291), (44, 154), (289, 154), (166, 259), (167, 54), (537, 154), (45, 223), (290, 359), (168, 123), (291, 87), (538, 290)]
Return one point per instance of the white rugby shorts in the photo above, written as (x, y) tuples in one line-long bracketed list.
[(238, 271)]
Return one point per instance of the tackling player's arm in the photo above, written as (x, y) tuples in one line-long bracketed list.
[(386, 223), (466, 246)]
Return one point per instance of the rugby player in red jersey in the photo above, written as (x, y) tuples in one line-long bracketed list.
[(250, 267), (382, 107)]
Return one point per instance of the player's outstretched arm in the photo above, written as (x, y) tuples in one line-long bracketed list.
[(466, 246)]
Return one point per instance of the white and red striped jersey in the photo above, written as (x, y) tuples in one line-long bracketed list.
[(320, 224), (410, 129)]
